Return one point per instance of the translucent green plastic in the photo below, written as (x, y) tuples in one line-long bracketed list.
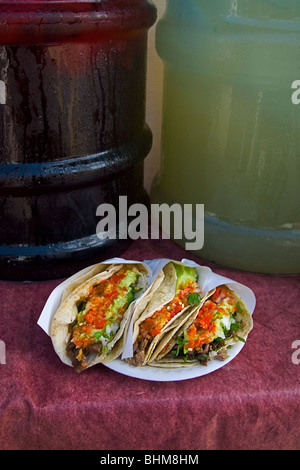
[(231, 131)]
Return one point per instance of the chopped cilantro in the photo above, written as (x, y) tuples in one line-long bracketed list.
[(235, 326), (241, 339), (194, 298), (226, 331), (101, 333), (202, 358), (105, 350), (181, 342)]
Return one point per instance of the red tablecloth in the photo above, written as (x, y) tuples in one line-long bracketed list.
[(251, 403)]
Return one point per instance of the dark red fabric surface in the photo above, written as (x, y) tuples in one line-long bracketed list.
[(251, 403)]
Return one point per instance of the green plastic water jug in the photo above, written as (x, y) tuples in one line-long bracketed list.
[(231, 121)]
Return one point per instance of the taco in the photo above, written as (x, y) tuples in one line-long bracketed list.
[(174, 295), (208, 333), (88, 327)]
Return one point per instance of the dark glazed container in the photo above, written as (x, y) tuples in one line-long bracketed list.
[(72, 129)]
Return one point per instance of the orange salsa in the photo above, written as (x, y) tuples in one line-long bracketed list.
[(204, 327), (152, 326), (105, 304)]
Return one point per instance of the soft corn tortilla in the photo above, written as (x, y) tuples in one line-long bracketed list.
[(67, 311), (163, 358), (161, 293)]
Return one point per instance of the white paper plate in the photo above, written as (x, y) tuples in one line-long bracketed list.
[(207, 280)]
